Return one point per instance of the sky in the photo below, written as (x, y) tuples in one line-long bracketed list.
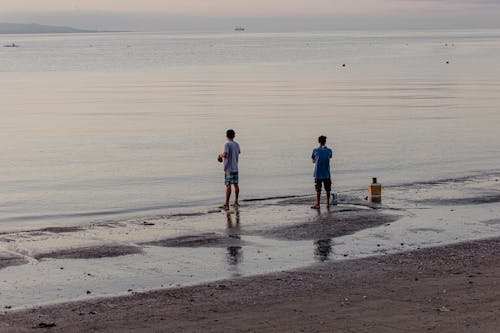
[(264, 14)]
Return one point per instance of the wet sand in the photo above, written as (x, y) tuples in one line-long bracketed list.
[(201, 240), (7, 259), (334, 224), (443, 289), (105, 251)]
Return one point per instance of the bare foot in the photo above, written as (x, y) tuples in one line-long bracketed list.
[(236, 204), (315, 207)]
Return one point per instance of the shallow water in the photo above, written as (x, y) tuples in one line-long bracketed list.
[(112, 126)]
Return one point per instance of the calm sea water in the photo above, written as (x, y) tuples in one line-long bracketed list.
[(99, 126)]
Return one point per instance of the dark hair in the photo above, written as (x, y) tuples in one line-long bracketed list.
[(322, 140), (230, 134)]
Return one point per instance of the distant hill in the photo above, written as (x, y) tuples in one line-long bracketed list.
[(19, 28)]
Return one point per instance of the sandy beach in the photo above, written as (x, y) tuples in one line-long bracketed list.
[(443, 289), (424, 260)]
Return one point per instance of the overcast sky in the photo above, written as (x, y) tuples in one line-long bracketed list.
[(280, 14)]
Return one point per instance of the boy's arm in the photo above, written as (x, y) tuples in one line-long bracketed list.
[(313, 157), (224, 154)]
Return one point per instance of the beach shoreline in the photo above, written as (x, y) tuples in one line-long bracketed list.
[(425, 259), (452, 288)]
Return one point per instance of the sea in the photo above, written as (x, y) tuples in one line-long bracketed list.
[(108, 126)]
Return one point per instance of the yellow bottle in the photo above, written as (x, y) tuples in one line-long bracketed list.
[(375, 192)]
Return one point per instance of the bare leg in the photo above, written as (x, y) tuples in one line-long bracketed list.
[(236, 194), (318, 196), (328, 198), (228, 195)]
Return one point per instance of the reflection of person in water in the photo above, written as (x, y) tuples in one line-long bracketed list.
[(234, 253), (323, 249)]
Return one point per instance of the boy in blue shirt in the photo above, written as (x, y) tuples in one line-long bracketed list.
[(231, 156), (321, 158)]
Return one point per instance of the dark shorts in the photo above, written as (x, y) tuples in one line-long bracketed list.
[(231, 178), (327, 183)]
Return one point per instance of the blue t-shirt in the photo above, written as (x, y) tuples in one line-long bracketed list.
[(232, 149), (322, 156)]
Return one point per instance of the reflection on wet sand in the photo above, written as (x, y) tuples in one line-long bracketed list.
[(234, 255), (322, 249)]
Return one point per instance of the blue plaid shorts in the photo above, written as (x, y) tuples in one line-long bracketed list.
[(231, 178)]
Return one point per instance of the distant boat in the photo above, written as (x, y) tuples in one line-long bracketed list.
[(239, 28), (11, 45)]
